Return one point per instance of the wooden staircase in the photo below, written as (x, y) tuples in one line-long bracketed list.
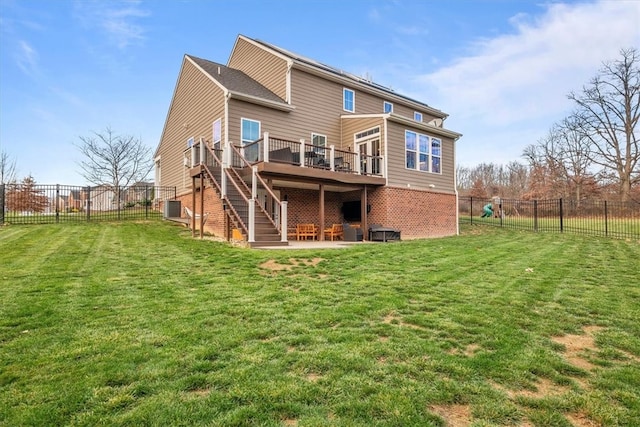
[(266, 233)]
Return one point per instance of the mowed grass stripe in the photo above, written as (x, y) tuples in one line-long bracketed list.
[(145, 325)]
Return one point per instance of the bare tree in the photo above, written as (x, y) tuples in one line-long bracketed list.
[(115, 160), (607, 114), (7, 168), (571, 150)]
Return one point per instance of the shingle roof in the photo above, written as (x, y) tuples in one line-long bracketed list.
[(235, 80)]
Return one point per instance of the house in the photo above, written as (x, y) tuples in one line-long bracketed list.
[(273, 139), (75, 200), (102, 198), (140, 193)]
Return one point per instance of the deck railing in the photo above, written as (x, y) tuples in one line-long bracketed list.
[(274, 209), (302, 153)]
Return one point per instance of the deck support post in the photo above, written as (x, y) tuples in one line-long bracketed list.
[(201, 205), (193, 204), (283, 222), (363, 214), (321, 203)]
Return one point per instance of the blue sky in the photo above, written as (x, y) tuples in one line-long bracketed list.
[(500, 68)]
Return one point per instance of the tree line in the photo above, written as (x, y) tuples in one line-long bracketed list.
[(591, 153)]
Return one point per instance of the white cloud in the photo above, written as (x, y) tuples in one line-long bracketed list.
[(119, 20), (27, 58), (521, 80)]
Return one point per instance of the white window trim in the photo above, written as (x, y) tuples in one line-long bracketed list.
[(417, 152), (366, 137), (213, 130), (417, 116), (313, 134), (242, 141), (384, 107), (344, 99), (190, 142), (326, 141)]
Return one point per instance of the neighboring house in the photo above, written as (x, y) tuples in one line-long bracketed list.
[(102, 198), (139, 193), (326, 147), (75, 200)]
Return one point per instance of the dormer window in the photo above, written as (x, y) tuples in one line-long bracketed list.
[(388, 107)]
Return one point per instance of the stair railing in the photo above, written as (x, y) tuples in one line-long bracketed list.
[(257, 182)]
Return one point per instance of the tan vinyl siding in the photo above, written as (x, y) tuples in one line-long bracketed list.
[(271, 72), (351, 126), (400, 176), (197, 102), (272, 121), (407, 112), (318, 107)]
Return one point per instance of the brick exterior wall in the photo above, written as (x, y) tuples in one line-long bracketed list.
[(416, 213), (304, 207), (215, 224)]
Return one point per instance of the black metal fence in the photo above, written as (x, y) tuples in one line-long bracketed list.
[(41, 204), (592, 217)]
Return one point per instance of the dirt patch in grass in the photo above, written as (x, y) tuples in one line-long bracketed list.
[(577, 346), (290, 422), (313, 377), (200, 392), (581, 420), (544, 388), (469, 350), (274, 265), (453, 415), (391, 319)]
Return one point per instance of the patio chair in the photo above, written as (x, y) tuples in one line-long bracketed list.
[(304, 231), (336, 231)]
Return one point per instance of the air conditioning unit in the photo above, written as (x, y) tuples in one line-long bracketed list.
[(172, 208)]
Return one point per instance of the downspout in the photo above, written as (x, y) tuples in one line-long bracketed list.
[(455, 189), (386, 152)]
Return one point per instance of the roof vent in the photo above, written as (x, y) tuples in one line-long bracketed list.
[(218, 70)]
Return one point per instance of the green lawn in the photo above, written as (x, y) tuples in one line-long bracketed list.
[(139, 324)]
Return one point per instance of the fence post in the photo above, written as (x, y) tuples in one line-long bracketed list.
[(535, 215), (88, 203), (57, 203), (146, 202), (2, 187), (471, 209), (561, 219), (606, 226)]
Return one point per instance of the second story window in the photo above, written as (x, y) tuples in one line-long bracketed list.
[(217, 133), (422, 152), (250, 132), (417, 116), (348, 100), (388, 107), (319, 142)]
